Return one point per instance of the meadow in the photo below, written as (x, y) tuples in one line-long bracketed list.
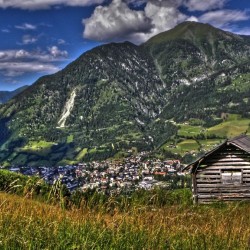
[(154, 220)]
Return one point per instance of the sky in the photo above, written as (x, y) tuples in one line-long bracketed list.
[(40, 37)]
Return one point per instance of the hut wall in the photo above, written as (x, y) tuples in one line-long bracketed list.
[(224, 175)]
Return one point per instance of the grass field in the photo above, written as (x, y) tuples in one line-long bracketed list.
[(188, 130), (230, 128), (189, 145), (233, 125), (210, 143), (29, 224), (40, 147)]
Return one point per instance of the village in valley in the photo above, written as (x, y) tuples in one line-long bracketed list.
[(113, 176)]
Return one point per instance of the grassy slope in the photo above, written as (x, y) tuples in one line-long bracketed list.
[(233, 125), (27, 224)]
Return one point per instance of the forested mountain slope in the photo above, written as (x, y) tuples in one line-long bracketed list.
[(121, 96)]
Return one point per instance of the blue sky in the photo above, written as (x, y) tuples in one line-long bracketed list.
[(40, 37)]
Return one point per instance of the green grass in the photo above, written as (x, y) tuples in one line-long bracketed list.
[(70, 138), (188, 130), (67, 162), (233, 125), (186, 146), (81, 155), (37, 146), (209, 144), (230, 128)]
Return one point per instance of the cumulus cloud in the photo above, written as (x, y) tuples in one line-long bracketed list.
[(119, 22), (18, 62), (164, 15), (115, 20), (199, 5), (45, 4), (221, 18), (26, 26), (56, 52)]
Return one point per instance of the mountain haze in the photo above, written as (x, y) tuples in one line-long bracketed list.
[(7, 95), (120, 96)]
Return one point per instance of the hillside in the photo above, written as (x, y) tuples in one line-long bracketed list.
[(119, 96), (7, 95)]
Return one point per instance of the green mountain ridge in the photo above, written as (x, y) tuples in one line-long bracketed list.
[(120, 96)]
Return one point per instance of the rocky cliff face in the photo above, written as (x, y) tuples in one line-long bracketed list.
[(119, 96)]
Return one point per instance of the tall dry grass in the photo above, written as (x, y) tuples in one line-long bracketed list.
[(30, 224)]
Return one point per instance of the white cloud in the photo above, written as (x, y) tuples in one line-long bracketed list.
[(5, 30), (193, 19), (26, 26), (56, 52), (19, 68), (18, 62), (61, 41), (204, 5), (28, 39), (221, 18), (115, 21), (52, 55), (118, 22), (164, 15), (45, 4)]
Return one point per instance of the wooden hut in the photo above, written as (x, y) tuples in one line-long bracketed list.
[(223, 173)]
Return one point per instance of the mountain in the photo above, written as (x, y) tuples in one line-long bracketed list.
[(7, 95), (205, 68), (120, 96)]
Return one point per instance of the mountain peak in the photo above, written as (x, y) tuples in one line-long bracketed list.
[(191, 31)]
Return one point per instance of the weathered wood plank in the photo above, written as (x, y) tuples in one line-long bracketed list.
[(212, 160), (222, 190), (246, 171), (208, 177), (220, 185), (245, 179), (199, 181), (228, 167), (242, 163), (210, 201), (208, 170), (194, 184), (228, 155), (236, 153), (232, 195)]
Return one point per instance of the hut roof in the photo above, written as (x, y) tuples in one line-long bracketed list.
[(241, 141)]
